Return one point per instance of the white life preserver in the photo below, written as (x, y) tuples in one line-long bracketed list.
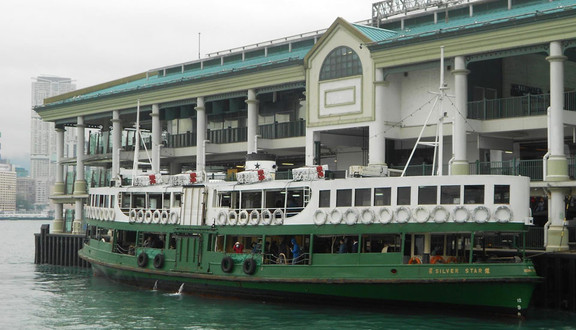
[(278, 217), (402, 214), (140, 216), (156, 216), (174, 218), (148, 216), (421, 214), (481, 214), (164, 217), (319, 217), (335, 216), (232, 218), (367, 216), (461, 214), (266, 217), (386, 215), (351, 216), (132, 216), (254, 218), (503, 214), (243, 217), (221, 218), (440, 214)]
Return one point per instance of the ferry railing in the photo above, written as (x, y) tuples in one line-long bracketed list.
[(282, 259)]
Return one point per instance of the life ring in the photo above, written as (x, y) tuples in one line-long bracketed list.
[(132, 216), (320, 217), (243, 217), (436, 260), (164, 217), (481, 214), (156, 216), (254, 217), (367, 216), (335, 216), (111, 214), (142, 259), (461, 214), (174, 218), (503, 214), (159, 260), (414, 260), (421, 214), (148, 216), (278, 217), (140, 216), (440, 214), (227, 264), (249, 266), (266, 217), (386, 215), (402, 214), (451, 260), (232, 218), (221, 219), (351, 216)]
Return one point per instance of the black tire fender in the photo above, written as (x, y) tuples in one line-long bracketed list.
[(142, 259), (249, 266), (159, 260), (227, 264)]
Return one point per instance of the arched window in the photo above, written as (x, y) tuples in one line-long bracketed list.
[(341, 62)]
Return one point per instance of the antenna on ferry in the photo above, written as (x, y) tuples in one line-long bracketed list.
[(437, 162), (137, 145)]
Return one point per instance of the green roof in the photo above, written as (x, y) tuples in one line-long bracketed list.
[(374, 33)]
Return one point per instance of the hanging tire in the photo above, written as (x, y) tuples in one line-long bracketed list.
[(249, 266), (227, 264), (142, 259), (159, 260)]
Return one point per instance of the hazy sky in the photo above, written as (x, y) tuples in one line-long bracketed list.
[(97, 41)]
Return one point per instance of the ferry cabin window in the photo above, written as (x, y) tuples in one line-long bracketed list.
[(403, 196), (155, 201), (166, 201), (427, 195), (474, 194), (229, 199), (274, 199), (381, 196), (450, 195), (324, 198), (251, 199), (362, 197), (381, 243), (177, 200), (501, 194), (343, 197), (138, 201)]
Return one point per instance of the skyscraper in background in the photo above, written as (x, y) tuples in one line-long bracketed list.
[(43, 160)]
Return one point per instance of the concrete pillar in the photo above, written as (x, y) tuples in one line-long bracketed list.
[(156, 136), (377, 140), (200, 134), (116, 145), (312, 137), (59, 185), (557, 165), (252, 121), (460, 163), (80, 182)]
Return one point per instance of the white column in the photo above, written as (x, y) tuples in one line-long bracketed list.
[(200, 134), (557, 165), (311, 138), (59, 185), (80, 183), (377, 140), (252, 121), (116, 145), (460, 163), (156, 135)]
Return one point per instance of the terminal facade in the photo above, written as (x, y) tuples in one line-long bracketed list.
[(353, 94)]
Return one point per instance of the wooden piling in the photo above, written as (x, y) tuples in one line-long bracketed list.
[(58, 249)]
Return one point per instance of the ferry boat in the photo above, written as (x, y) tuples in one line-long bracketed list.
[(369, 237)]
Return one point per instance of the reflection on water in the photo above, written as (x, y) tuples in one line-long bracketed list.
[(41, 296)]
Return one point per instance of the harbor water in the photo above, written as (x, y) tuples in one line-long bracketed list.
[(49, 297)]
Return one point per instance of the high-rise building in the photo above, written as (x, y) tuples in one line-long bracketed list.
[(7, 188), (43, 160)]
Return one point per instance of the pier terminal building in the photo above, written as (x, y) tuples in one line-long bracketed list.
[(352, 94)]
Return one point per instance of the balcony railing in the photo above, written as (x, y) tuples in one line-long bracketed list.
[(519, 106)]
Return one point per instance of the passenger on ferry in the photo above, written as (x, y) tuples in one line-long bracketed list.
[(295, 251), (257, 247), (149, 242), (343, 248), (355, 246), (238, 248)]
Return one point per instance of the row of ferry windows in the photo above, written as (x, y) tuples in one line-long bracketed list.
[(427, 195)]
